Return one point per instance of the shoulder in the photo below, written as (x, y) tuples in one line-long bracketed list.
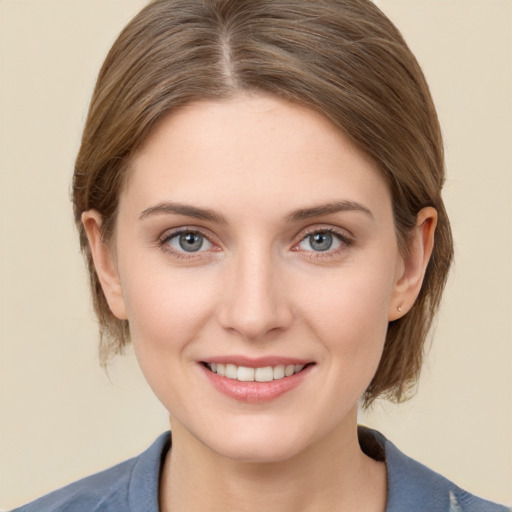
[(131, 485), (107, 490), (411, 484)]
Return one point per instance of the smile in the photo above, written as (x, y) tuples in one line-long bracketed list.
[(248, 374), (256, 380)]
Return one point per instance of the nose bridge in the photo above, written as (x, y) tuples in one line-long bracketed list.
[(255, 301)]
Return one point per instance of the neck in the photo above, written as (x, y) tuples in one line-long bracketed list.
[(331, 475)]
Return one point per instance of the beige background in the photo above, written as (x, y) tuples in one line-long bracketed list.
[(61, 417)]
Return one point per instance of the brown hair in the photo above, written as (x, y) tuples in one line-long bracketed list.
[(342, 58)]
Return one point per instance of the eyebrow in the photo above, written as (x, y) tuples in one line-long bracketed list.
[(295, 216), (185, 210), (326, 209)]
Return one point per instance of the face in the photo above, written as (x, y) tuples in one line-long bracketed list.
[(257, 263)]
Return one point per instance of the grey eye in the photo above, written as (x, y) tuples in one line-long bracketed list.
[(320, 242), (189, 242)]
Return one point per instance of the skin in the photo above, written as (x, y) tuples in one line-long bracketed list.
[(259, 287)]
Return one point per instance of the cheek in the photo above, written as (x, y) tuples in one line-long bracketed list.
[(348, 311), (167, 311), (166, 308)]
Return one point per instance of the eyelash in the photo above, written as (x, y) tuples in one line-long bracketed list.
[(167, 237), (342, 238)]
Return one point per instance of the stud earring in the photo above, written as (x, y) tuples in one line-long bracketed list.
[(399, 309)]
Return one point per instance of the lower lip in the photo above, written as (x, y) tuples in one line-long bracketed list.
[(255, 392)]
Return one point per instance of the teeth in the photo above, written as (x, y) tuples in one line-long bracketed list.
[(265, 374), (231, 371), (246, 374), (278, 372)]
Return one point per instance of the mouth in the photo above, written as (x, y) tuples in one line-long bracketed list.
[(258, 374), (256, 381)]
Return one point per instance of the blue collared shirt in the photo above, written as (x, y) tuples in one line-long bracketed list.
[(132, 486)]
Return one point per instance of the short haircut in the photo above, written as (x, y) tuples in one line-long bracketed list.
[(341, 58)]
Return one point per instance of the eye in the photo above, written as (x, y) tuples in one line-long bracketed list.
[(323, 241), (188, 241)]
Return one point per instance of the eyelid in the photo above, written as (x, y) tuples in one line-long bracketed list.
[(169, 234), (342, 233), (345, 238)]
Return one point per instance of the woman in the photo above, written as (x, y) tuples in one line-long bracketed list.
[(258, 198)]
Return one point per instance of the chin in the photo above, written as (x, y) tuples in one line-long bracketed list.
[(261, 451), (261, 442)]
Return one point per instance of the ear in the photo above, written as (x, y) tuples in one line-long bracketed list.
[(104, 263), (412, 266)]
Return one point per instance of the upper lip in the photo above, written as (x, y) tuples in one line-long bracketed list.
[(256, 362)]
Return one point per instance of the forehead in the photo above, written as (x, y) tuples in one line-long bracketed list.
[(251, 150)]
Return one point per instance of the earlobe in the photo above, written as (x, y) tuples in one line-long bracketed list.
[(104, 263), (412, 266)]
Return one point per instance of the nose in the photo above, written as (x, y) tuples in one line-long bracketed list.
[(255, 301)]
